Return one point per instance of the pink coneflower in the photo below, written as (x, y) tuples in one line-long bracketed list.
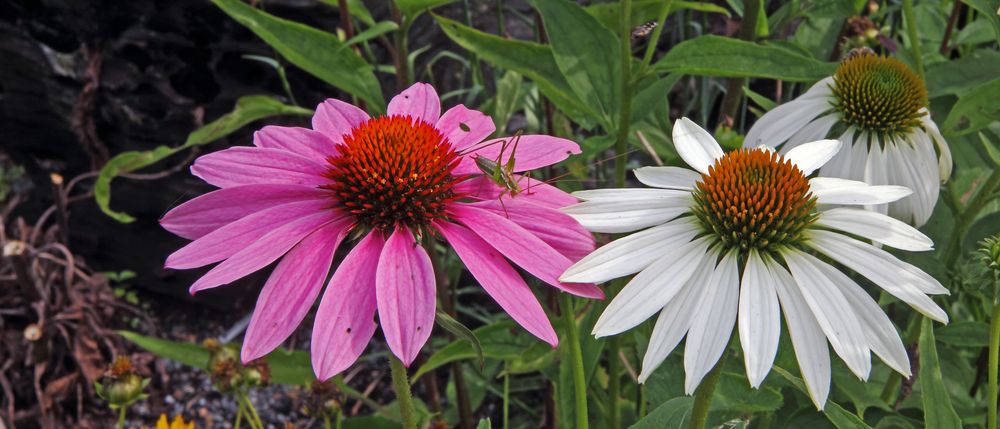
[(392, 181)]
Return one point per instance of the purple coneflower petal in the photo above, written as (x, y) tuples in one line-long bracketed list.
[(464, 127), (334, 118), (523, 248), (500, 280), (231, 238), (265, 250), (419, 101), (215, 209), (300, 141), (345, 318), (554, 227), (533, 151), (253, 165), (405, 293), (291, 290), (533, 191)]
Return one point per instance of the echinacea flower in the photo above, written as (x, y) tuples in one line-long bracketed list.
[(393, 181), (745, 234), (877, 107)]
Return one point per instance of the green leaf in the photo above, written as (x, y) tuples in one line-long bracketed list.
[(371, 33), (988, 9), (722, 56), (508, 99), (532, 60), (965, 333), (459, 330), (484, 424), (499, 341), (413, 8), (958, 76), (644, 11), (646, 98), (674, 413), (834, 412), (760, 99), (974, 110), (312, 50), (587, 53), (248, 109), (938, 411), (357, 9)]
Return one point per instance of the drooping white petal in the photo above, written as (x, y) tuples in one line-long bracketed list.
[(675, 317), (759, 319), (832, 311), (818, 129), (695, 145), (806, 334), (875, 172), (780, 123), (921, 165), (879, 331), (630, 254), (650, 195), (859, 156), (883, 269), (713, 321), (627, 215), (840, 165), (811, 156), (944, 157), (831, 190), (651, 289), (877, 227), (898, 170), (667, 177)]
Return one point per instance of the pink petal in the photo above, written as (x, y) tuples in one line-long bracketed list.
[(500, 280), (405, 294), (477, 126), (554, 227), (265, 250), (481, 187), (226, 241), (291, 290), (523, 248), (345, 321), (533, 151), (300, 141), (334, 118), (253, 165), (419, 101), (211, 211)]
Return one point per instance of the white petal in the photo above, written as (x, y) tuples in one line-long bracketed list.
[(759, 319), (695, 145), (667, 177), (944, 159), (807, 337), (840, 165), (873, 226), (832, 311), (713, 322), (896, 277), (811, 156), (651, 289), (815, 130), (627, 216), (650, 195), (675, 318), (630, 254), (898, 167), (879, 331), (780, 123), (875, 172), (831, 190)]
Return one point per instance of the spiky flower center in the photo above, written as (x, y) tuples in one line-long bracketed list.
[(394, 170), (754, 199), (878, 94)]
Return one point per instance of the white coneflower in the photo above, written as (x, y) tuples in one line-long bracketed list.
[(877, 107), (739, 238)]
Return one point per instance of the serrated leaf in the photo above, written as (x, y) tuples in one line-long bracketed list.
[(938, 410), (248, 109), (459, 330), (722, 56), (315, 51)]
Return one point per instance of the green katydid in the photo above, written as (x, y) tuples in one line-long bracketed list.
[(502, 172)]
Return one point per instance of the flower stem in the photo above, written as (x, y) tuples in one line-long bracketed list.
[(911, 32), (703, 396), (576, 361), (121, 417), (625, 109), (506, 395), (965, 218), (403, 395), (994, 359)]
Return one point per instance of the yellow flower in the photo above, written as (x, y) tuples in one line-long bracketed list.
[(178, 423)]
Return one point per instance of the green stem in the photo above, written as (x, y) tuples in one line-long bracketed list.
[(911, 31), (403, 395), (326, 422), (994, 361), (239, 415), (910, 336), (252, 417), (506, 395), (734, 87), (121, 418), (576, 361), (655, 38), (703, 396), (625, 109), (965, 219), (402, 53)]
